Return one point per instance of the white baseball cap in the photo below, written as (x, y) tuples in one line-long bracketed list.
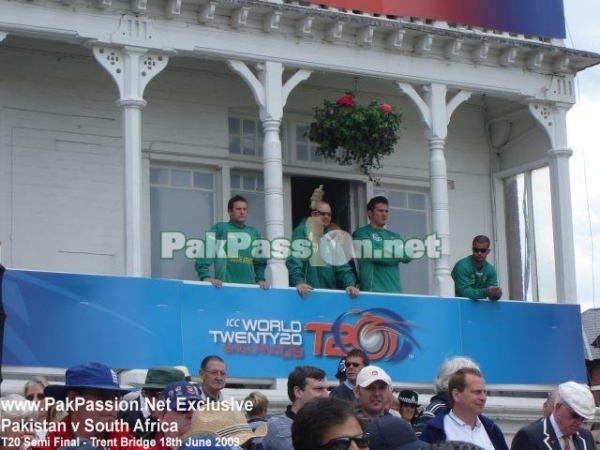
[(370, 374)]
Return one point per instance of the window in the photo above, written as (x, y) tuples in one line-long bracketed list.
[(408, 217), (180, 200), (246, 137), (528, 210), (305, 149), (251, 186)]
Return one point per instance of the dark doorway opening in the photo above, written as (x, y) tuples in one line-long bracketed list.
[(337, 193)]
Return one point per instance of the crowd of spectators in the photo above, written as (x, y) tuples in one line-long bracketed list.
[(169, 411)]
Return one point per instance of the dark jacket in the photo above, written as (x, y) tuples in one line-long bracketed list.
[(540, 435), (434, 432), (438, 402)]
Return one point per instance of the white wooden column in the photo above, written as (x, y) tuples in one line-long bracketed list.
[(435, 115), (271, 94), (553, 118), (131, 68)]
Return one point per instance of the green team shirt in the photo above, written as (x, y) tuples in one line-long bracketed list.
[(315, 271), (243, 269), (471, 282), (379, 271)]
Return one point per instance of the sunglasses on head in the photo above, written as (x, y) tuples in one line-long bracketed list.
[(352, 364), (343, 443), (480, 250)]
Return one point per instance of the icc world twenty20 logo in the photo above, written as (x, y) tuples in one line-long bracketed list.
[(382, 334)]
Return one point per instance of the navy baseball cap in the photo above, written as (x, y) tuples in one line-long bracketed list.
[(181, 396)]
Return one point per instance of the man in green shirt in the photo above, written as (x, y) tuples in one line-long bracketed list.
[(315, 272), (377, 251), (241, 268), (473, 276)]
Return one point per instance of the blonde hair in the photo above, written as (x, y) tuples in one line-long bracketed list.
[(259, 401), (35, 380)]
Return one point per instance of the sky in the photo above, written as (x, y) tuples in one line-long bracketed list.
[(583, 33)]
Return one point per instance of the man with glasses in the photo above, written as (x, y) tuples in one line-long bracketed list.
[(315, 272), (563, 429), (473, 276), (141, 413), (304, 384), (356, 359), (91, 394), (213, 373), (329, 424)]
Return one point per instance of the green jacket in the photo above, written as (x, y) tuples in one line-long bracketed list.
[(377, 270), (315, 271), (244, 269), (472, 283)]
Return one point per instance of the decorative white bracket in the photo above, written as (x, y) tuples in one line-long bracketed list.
[(207, 12), (452, 49), (481, 52), (132, 68), (508, 56), (239, 18), (173, 8), (304, 27), (365, 36), (272, 21), (394, 40), (423, 44), (436, 121), (271, 107), (334, 31)]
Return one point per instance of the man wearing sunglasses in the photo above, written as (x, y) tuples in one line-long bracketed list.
[(563, 429), (356, 359), (329, 424), (473, 276), (315, 272)]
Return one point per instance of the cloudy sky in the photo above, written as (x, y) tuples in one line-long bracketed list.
[(583, 33)]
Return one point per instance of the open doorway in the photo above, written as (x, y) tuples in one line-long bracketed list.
[(337, 193)]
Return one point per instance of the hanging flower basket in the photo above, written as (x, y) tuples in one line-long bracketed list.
[(349, 133)]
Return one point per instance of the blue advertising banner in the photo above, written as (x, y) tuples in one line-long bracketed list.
[(61, 319)]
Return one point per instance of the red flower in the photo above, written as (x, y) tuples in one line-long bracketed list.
[(386, 108), (346, 100)]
